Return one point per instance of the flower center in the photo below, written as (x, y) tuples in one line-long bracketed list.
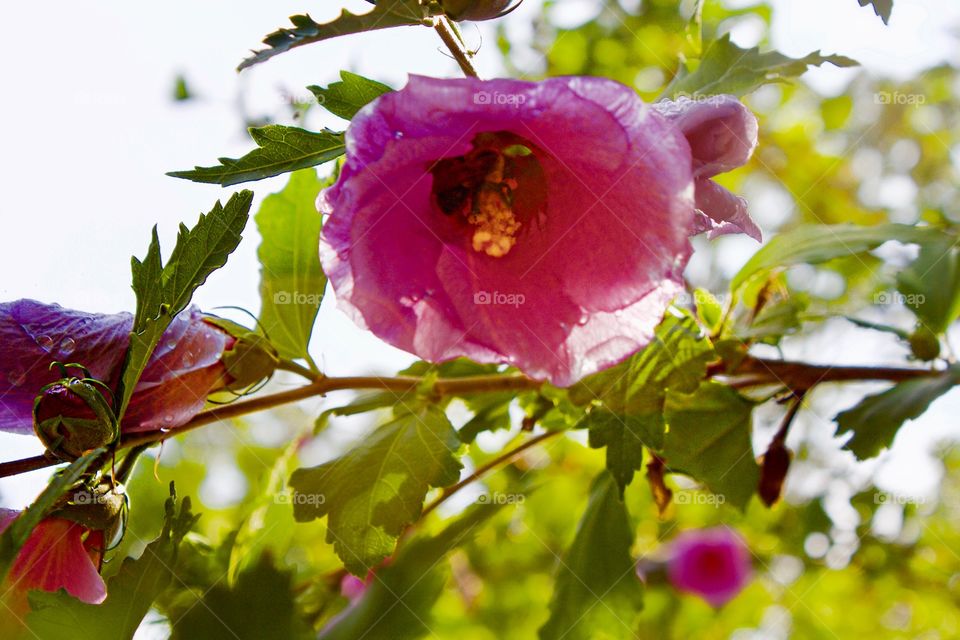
[(495, 189)]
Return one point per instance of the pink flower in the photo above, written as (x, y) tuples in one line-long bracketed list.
[(542, 224), (59, 554), (712, 563)]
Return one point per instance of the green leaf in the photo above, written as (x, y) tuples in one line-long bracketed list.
[(14, 536), (882, 8), (776, 319), (386, 14), (132, 591), (630, 395), (875, 421), (708, 438), (624, 438), (291, 279), (726, 68), (374, 491), (348, 96), (163, 291), (397, 604), (931, 284), (597, 593), (261, 605), (819, 243), (280, 149)]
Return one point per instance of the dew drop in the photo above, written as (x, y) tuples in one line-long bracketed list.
[(168, 419), (67, 346), (171, 344), (188, 359), (45, 342), (16, 377)]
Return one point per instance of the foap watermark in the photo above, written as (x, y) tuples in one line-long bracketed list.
[(908, 300), (499, 98), (299, 498), (501, 498), (896, 97), (699, 497), (295, 297), (712, 100), (498, 298), (881, 497)]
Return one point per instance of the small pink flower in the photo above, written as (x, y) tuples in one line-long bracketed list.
[(59, 554), (540, 224), (712, 563), (352, 587)]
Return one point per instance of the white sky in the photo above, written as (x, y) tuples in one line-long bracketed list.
[(90, 130)]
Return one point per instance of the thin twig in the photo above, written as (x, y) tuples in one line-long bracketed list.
[(457, 50), (482, 470)]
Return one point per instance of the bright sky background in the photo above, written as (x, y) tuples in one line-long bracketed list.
[(90, 130)]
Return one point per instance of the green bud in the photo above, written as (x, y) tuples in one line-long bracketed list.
[(72, 415), (251, 359), (924, 344), (102, 507)]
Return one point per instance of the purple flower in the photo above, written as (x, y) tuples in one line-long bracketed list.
[(184, 369), (543, 224), (712, 563)]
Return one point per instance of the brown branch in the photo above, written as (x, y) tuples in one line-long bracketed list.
[(399, 385), (800, 376)]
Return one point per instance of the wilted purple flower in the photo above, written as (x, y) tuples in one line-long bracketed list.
[(712, 563), (184, 369), (542, 224)]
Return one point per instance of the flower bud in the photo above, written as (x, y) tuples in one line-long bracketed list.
[(250, 359), (924, 344), (475, 10), (72, 416), (98, 508)]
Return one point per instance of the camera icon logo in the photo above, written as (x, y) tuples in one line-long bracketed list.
[(482, 297), (481, 97), (282, 297)]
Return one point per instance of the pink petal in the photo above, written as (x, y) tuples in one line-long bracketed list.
[(54, 558)]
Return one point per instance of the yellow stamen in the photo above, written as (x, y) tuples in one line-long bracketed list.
[(497, 225)]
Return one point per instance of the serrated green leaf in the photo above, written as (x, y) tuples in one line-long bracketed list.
[(875, 421), (882, 8), (280, 149), (819, 243), (624, 437), (371, 493), (630, 395), (14, 536), (726, 68), (597, 593), (291, 279), (348, 96), (931, 284), (163, 291), (708, 438), (397, 604), (260, 605), (386, 14), (132, 591)]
